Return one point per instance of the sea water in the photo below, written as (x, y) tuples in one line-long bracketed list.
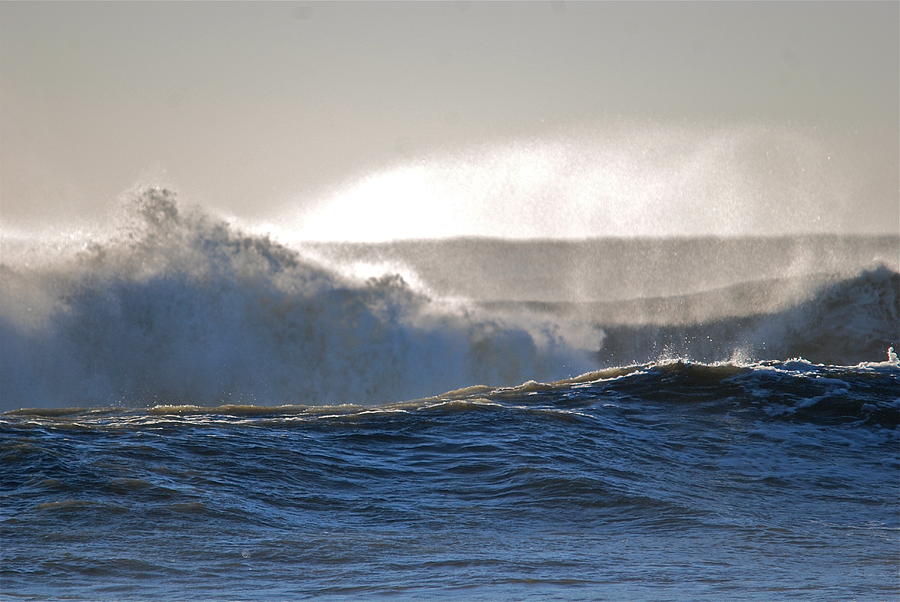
[(195, 412)]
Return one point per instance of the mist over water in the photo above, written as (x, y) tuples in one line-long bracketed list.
[(624, 181), (832, 299), (173, 305), (450, 300), (178, 306), (193, 408)]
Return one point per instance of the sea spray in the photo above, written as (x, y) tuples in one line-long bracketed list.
[(837, 320), (179, 306), (174, 305)]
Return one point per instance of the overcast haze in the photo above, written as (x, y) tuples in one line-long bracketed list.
[(380, 120)]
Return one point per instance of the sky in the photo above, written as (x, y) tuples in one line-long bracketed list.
[(375, 120)]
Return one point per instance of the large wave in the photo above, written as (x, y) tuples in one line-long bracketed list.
[(840, 320), (179, 306)]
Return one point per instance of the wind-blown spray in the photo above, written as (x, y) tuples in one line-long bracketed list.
[(180, 306)]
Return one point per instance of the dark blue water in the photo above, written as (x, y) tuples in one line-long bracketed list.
[(776, 480)]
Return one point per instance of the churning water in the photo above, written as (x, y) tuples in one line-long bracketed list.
[(215, 415)]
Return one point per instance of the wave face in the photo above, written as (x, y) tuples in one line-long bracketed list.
[(662, 481), (178, 306), (842, 320)]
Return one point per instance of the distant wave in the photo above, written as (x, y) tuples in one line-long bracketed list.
[(179, 307), (840, 321)]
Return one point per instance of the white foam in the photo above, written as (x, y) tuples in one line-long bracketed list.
[(178, 307)]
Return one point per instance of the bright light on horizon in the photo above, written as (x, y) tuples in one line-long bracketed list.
[(655, 183)]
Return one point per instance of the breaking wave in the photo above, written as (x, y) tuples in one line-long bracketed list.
[(844, 320), (178, 307)]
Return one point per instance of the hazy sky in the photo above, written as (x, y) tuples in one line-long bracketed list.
[(380, 120)]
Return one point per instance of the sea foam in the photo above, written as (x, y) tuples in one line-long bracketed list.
[(178, 306)]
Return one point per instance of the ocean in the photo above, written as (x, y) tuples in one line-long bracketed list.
[(192, 411)]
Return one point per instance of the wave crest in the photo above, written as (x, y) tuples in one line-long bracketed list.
[(843, 320), (178, 307), (181, 307)]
